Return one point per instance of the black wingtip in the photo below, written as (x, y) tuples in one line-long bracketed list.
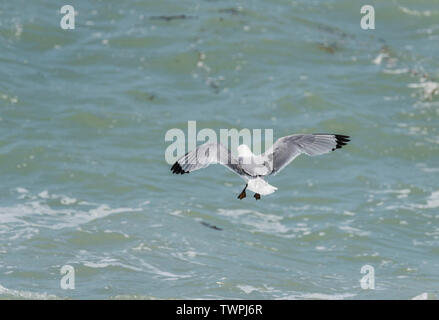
[(177, 169), (341, 141)]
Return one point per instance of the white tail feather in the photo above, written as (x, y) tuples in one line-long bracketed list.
[(260, 186)]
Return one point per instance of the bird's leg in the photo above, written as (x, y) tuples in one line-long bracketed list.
[(242, 195), (257, 196)]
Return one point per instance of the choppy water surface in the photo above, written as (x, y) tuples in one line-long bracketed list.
[(83, 115)]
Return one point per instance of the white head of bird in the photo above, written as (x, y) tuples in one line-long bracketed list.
[(244, 151)]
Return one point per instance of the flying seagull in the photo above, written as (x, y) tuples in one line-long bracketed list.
[(253, 168)]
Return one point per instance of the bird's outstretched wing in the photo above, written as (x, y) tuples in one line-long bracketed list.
[(205, 155), (286, 149)]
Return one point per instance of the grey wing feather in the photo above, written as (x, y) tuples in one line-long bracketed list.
[(286, 149), (205, 155)]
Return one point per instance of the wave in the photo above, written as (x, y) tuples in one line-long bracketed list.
[(20, 294)]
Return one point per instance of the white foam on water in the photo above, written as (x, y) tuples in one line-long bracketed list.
[(44, 194), (403, 192), (433, 200), (425, 296), (355, 231), (56, 218), (319, 296), (133, 297), (175, 213), (189, 256), (19, 294), (431, 203), (166, 275), (396, 71), (36, 212), (67, 201), (246, 288), (141, 247), (109, 262), (328, 296), (429, 88), (412, 12), (379, 59), (346, 227), (249, 289), (261, 222), (233, 213), (21, 190)]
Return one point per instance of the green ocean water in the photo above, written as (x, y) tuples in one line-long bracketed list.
[(84, 181)]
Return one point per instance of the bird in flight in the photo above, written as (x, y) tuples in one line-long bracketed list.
[(254, 168)]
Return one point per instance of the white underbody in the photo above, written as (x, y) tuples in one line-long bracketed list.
[(259, 185)]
